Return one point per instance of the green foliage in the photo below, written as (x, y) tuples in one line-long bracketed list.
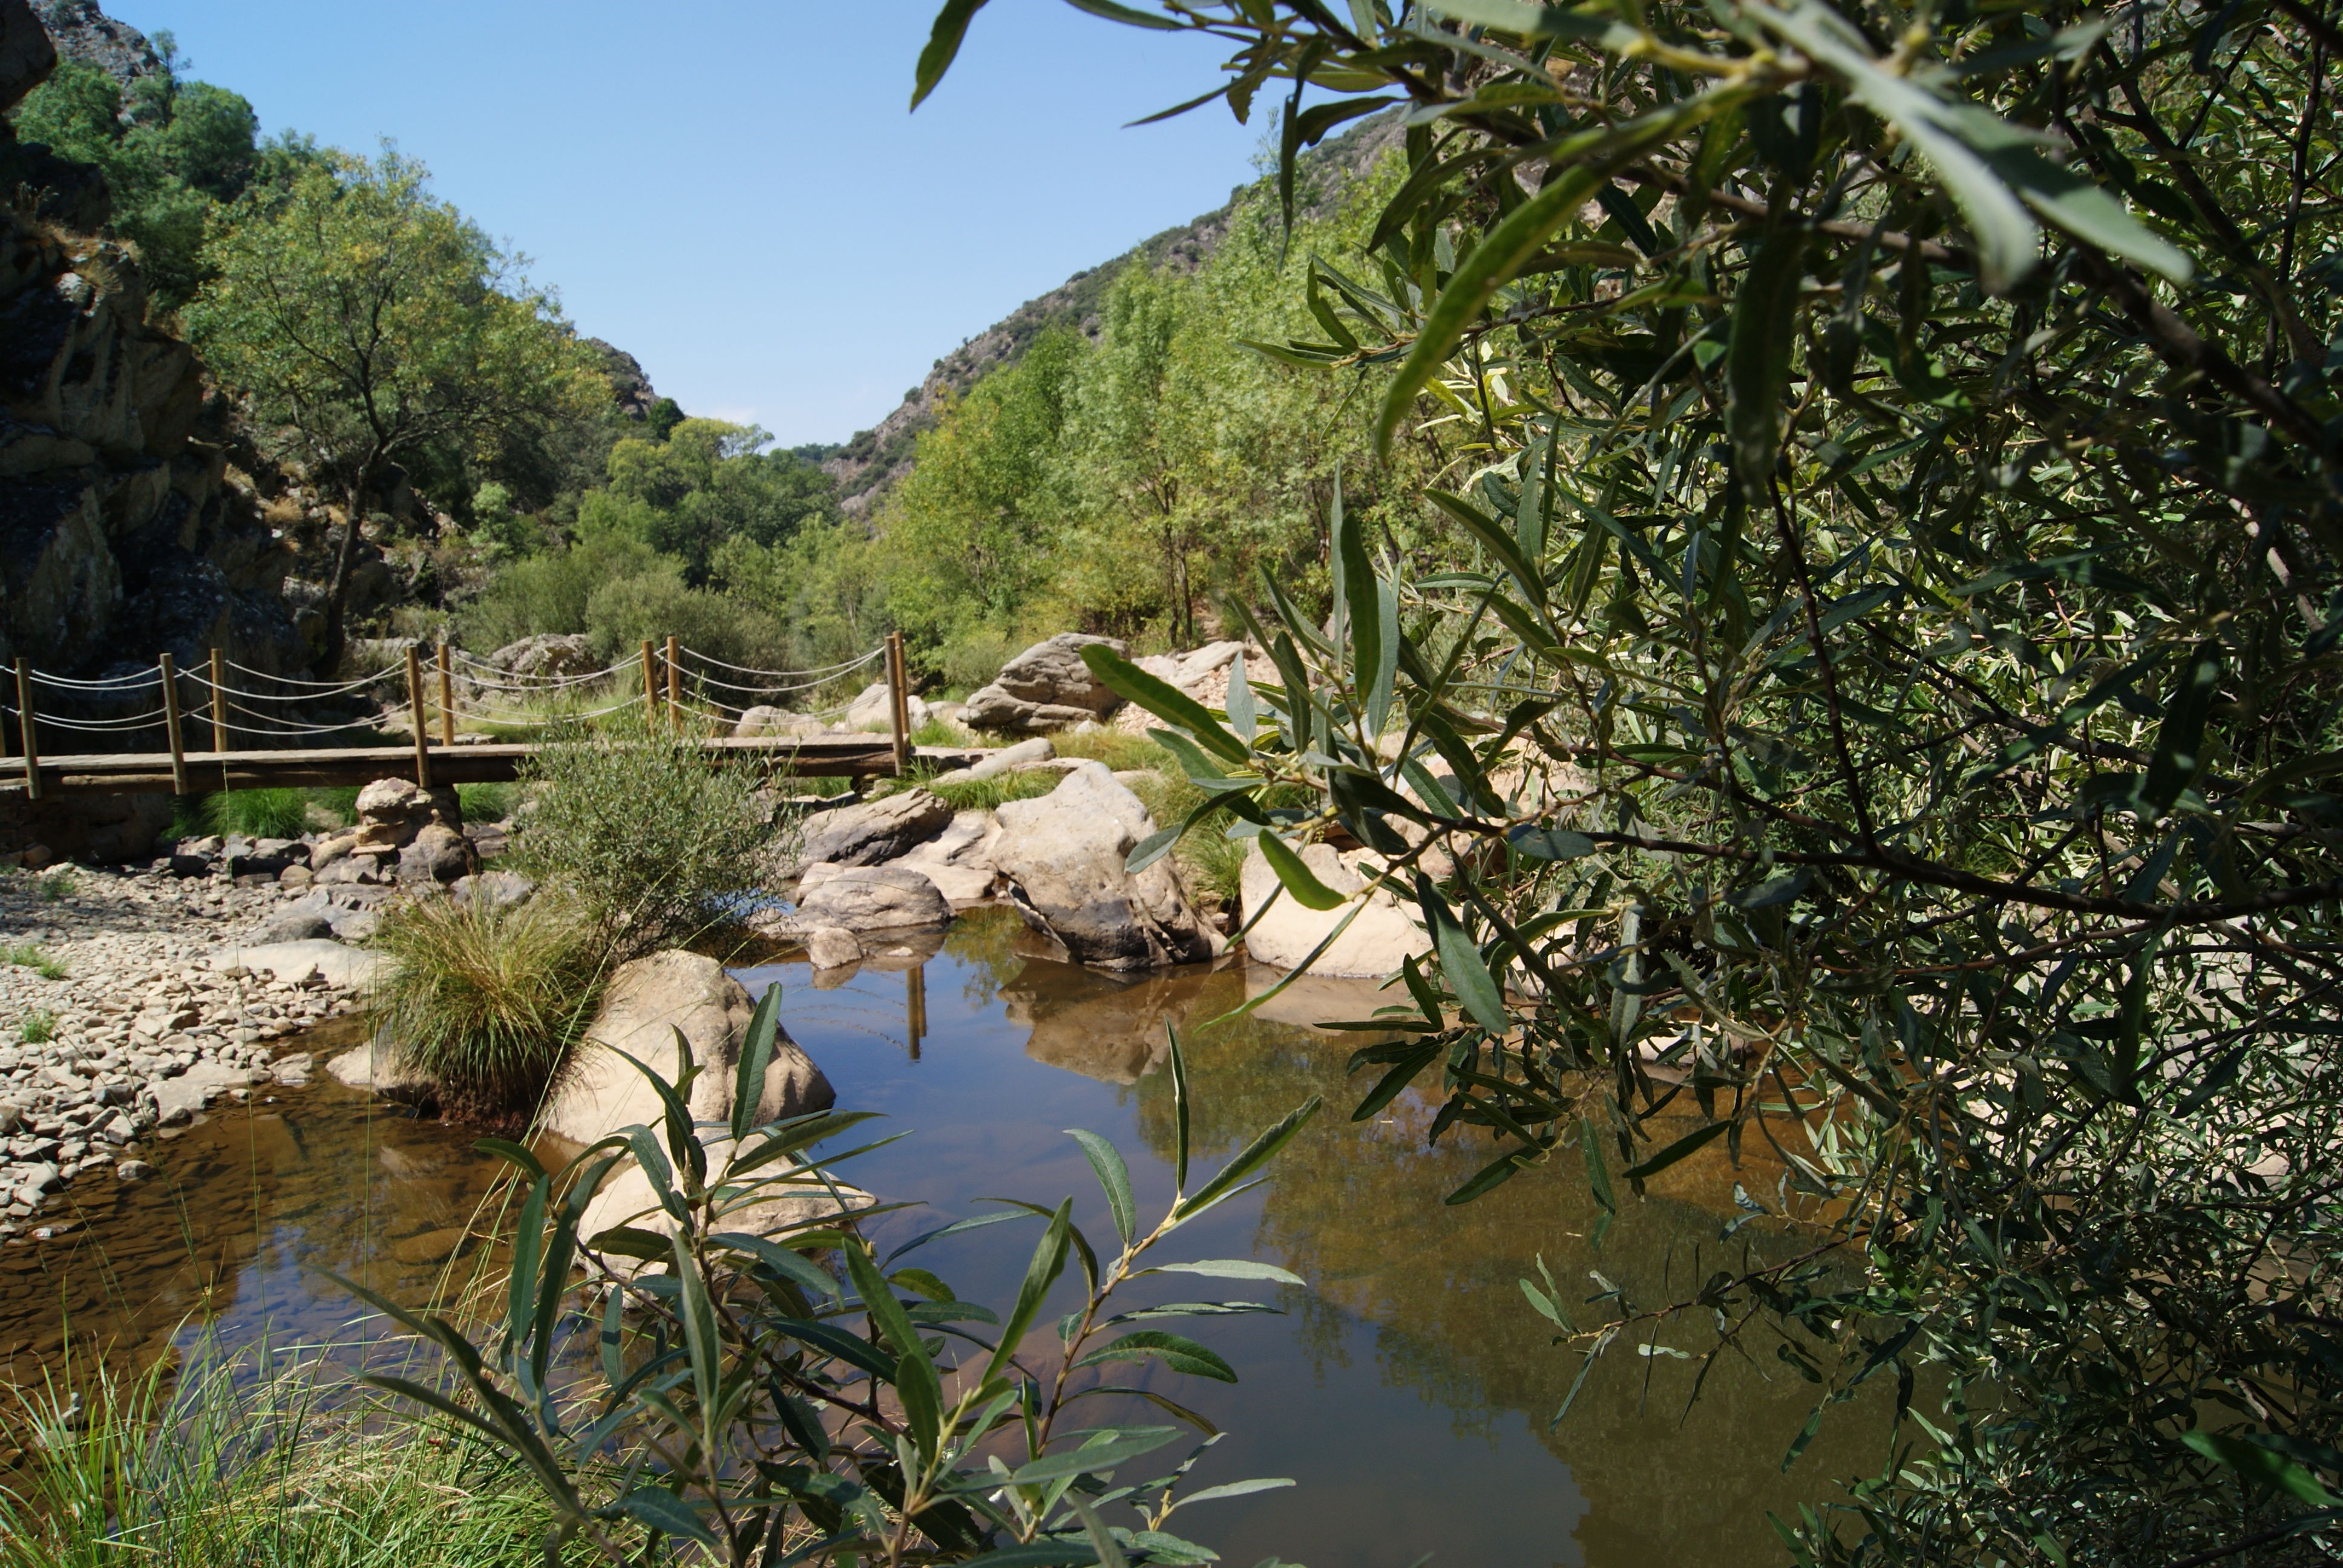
[(708, 482), (1880, 693), (738, 1313), (549, 592), (172, 159), (59, 885), (985, 794), (33, 956), (367, 322), (651, 841), (37, 1028), (256, 813), (251, 1465), (659, 603), (487, 999), (485, 802)]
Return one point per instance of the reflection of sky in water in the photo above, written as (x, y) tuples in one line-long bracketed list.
[(1408, 1392)]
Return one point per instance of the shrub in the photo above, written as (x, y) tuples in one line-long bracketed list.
[(487, 1000), (645, 833), (549, 592), (658, 605), (972, 656)]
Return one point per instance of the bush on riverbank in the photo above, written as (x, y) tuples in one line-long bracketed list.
[(486, 1000), (649, 839)]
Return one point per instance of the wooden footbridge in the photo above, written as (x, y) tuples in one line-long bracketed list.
[(692, 703)]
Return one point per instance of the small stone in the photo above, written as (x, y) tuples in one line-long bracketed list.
[(133, 1170), (830, 948)]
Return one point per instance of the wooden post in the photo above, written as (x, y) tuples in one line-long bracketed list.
[(650, 685), (447, 700), (675, 683), (898, 703), (32, 741), (415, 705), (915, 1006), (171, 725), (219, 701)]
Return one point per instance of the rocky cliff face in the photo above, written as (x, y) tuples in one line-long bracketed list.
[(875, 458), (120, 536)]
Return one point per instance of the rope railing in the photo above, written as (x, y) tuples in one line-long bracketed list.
[(226, 707)]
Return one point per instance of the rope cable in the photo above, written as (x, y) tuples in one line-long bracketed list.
[(123, 683)]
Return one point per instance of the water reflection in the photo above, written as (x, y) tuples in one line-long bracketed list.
[(1408, 1391)]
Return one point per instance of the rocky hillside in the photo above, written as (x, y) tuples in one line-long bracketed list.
[(875, 458), (119, 535)]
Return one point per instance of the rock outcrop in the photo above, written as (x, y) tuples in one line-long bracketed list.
[(546, 658), (1065, 853), (1047, 687)]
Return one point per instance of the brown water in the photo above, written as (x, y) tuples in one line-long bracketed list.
[(1408, 1391)]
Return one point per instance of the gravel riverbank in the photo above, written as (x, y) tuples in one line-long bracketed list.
[(125, 1008)]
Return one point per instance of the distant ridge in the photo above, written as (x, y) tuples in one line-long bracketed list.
[(866, 466)]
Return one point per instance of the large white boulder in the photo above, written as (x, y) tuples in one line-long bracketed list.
[(959, 860), (1065, 852), (874, 709), (872, 898), (1047, 687), (645, 1002), (1385, 932)]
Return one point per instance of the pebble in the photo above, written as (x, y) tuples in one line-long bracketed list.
[(138, 1004)]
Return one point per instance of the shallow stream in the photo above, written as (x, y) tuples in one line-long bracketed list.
[(1408, 1391)]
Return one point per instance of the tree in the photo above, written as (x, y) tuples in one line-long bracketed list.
[(364, 319), (708, 482), (1886, 698)]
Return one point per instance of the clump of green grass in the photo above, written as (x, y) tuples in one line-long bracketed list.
[(33, 957), (332, 806), (486, 1001), (258, 813), (37, 1028), (233, 1469), (1121, 752), (58, 886), (942, 732), (485, 802), (987, 794)]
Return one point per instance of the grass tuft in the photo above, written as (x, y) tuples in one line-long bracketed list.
[(258, 813), (33, 957), (58, 886), (487, 1000), (251, 1465), (37, 1028), (986, 794), (486, 802)]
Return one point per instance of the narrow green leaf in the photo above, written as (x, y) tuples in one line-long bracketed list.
[(1163, 700), (1179, 1109), (1460, 962), (1049, 1262), (664, 1511), (1175, 1350), (1103, 1452), (756, 1059), (1252, 1157), (1113, 1176), (1230, 1269), (1757, 360), (1298, 878), (943, 46), (1697, 1139)]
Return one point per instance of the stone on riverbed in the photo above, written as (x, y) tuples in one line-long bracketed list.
[(872, 898), (1065, 854), (874, 831), (1379, 938), (646, 1002), (340, 967), (830, 947)]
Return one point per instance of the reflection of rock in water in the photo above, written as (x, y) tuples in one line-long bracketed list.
[(1311, 1001), (1104, 1026)]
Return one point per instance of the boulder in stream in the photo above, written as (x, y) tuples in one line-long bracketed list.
[(1065, 854)]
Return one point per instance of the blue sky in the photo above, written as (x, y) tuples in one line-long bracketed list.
[(731, 190)]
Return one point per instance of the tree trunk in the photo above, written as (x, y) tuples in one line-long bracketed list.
[(338, 590)]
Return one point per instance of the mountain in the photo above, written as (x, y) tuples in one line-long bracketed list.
[(875, 458)]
